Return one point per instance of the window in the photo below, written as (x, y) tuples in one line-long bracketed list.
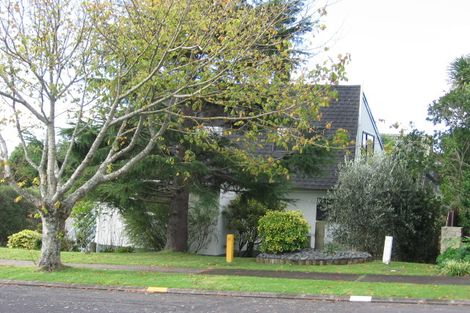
[(367, 146)]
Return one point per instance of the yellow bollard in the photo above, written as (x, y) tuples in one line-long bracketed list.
[(230, 245)]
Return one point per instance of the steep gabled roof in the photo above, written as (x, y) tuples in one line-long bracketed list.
[(341, 113)]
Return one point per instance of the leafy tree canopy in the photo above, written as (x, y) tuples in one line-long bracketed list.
[(453, 109), (453, 144)]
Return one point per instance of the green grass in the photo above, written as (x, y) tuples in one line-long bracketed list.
[(186, 260), (237, 283)]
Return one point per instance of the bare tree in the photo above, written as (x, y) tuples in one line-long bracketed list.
[(135, 69)]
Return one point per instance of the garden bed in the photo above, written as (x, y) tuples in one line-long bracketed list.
[(313, 257)]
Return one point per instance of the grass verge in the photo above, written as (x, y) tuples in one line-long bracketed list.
[(186, 260), (238, 283)]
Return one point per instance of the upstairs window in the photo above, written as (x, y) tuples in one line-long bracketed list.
[(367, 146)]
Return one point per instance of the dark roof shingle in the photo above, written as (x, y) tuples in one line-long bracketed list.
[(341, 113)]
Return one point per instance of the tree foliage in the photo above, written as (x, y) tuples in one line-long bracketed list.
[(453, 110), (416, 150)]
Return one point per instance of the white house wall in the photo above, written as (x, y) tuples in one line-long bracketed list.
[(306, 202), (367, 124)]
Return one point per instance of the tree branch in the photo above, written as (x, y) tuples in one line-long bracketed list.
[(16, 97), (100, 177), (23, 143)]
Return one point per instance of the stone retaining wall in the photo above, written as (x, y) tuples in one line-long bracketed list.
[(451, 237), (312, 257), (313, 262)]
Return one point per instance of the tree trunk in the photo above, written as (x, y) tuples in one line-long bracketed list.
[(53, 229), (177, 230)]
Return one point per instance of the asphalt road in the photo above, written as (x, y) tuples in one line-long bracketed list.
[(21, 299)]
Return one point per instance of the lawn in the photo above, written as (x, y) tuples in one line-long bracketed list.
[(237, 283), (186, 260)]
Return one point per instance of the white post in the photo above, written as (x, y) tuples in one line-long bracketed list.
[(387, 250)]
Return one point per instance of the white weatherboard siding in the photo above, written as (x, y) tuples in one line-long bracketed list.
[(306, 202), (110, 228)]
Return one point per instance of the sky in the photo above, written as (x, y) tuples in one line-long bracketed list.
[(400, 52)]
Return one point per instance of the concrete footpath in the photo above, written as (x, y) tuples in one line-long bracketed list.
[(426, 280)]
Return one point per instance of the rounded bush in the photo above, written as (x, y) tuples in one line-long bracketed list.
[(283, 231), (25, 239)]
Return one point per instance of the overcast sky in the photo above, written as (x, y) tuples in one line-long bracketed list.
[(400, 51)]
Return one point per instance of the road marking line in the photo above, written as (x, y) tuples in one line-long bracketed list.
[(360, 299), (157, 289)]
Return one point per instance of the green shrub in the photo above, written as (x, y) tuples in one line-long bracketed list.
[(454, 254), (283, 231), (119, 249), (456, 268), (146, 224), (124, 249), (380, 197), (25, 239)]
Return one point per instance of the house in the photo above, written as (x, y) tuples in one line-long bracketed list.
[(350, 111)]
